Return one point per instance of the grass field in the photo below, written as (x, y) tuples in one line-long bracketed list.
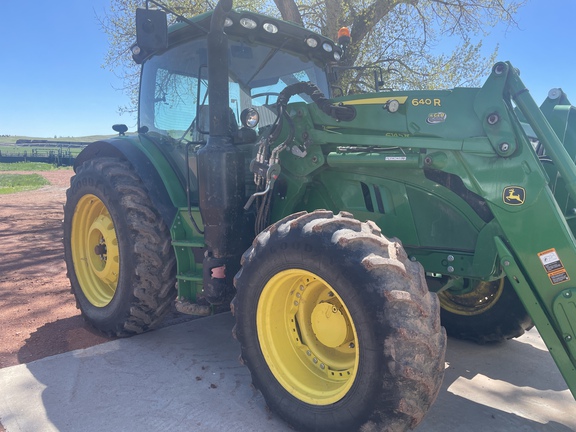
[(11, 183), (26, 166)]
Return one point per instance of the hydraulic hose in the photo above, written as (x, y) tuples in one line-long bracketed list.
[(339, 112)]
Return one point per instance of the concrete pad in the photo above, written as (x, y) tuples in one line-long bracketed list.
[(181, 378), (508, 387), (187, 378)]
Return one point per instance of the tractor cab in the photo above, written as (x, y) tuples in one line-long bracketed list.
[(264, 56)]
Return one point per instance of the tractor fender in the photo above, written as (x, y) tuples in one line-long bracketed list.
[(125, 149)]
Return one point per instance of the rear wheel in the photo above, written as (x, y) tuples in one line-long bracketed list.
[(117, 249), (337, 326), (484, 311)]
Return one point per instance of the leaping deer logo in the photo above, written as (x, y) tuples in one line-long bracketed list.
[(514, 195)]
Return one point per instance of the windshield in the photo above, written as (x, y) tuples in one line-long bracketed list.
[(174, 85)]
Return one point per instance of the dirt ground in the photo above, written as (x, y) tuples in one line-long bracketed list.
[(38, 314)]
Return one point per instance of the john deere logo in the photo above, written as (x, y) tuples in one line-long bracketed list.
[(514, 195), (435, 118)]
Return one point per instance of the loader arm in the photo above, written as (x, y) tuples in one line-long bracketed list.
[(538, 249)]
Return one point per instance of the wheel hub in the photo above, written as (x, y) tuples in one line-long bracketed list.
[(100, 249), (329, 325), (103, 237)]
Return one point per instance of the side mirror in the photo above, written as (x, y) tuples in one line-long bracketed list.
[(151, 29), (120, 128)]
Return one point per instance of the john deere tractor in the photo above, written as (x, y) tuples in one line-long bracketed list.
[(254, 183)]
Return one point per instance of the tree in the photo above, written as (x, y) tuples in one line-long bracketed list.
[(425, 44)]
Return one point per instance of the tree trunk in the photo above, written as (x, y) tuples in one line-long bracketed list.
[(289, 11)]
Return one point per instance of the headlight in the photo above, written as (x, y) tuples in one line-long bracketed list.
[(270, 28), (248, 23), (392, 105), (312, 42), (249, 118)]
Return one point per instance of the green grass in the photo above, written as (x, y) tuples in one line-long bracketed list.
[(26, 166), (11, 183)]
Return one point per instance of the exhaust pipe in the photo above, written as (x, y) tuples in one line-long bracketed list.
[(220, 173)]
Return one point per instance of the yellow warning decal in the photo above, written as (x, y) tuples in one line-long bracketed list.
[(376, 100), (553, 266), (559, 277)]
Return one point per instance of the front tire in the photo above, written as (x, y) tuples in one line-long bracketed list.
[(489, 312), (117, 249), (337, 325)]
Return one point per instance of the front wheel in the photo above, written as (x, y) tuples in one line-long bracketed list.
[(337, 326), (484, 312)]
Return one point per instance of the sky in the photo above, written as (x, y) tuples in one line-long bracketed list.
[(52, 83)]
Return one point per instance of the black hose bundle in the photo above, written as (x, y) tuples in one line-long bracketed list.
[(339, 112), (267, 158)]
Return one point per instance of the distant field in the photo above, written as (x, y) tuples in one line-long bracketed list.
[(10, 146), (37, 149), (26, 166), (91, 138), (58, 151)]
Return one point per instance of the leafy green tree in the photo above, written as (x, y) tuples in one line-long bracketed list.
[(425, 44)]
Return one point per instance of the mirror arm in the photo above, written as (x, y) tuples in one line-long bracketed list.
[(180, 17)]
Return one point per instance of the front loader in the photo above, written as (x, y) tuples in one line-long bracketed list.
[(249, 184)]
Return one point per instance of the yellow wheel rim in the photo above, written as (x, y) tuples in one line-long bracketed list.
[(307, 337), (95, 250), (483, 297)]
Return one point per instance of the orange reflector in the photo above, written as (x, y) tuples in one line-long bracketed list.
[(344, 36), (344, 31)]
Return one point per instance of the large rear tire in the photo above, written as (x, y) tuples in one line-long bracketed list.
[(337, 326), (117, 248), (490, 312)]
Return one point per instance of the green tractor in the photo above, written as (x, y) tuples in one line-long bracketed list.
[(250, 184)]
